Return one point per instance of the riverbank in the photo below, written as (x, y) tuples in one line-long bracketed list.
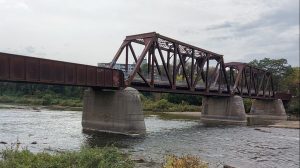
[(57, 102), (38, 108), (293, 123)]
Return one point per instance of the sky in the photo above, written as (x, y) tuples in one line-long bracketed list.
[(91, 31)]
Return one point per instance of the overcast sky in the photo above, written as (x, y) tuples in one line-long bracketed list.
[(91, 31)]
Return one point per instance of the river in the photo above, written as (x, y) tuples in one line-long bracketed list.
[(244, 147)]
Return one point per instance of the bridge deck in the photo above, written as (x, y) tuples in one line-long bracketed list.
[(16, 68), (164, 87)]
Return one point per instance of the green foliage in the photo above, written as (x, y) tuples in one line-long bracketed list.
[(45, 100), (85, 158), (294, 106), (292, 81), (35, 94), (278, 67), (165, 106), (40, 90), (179, 98), (247, 104)]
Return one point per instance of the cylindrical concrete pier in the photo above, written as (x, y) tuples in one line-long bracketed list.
[(223, 111), (268, 109), (113, 111)]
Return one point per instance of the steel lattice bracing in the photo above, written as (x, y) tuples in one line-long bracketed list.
[(160, 64), (177, 67), (249, 81)]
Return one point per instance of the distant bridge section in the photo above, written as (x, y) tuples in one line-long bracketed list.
[(248, 81)]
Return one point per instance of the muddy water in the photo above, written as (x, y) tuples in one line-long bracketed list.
[(235, 146)]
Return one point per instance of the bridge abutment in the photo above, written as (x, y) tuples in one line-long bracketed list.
[(113, 111), (223, 110), (268, 109)]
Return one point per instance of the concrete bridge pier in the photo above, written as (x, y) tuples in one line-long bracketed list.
[(223, 111), (268, 109), (115, 111)]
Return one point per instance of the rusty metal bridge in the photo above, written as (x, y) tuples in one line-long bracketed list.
[(160, 64)]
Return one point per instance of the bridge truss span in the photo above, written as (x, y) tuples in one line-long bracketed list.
[(249, 81), (163, 64), (167, 65), (150, 62)]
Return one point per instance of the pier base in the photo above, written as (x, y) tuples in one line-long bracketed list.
[(113, 111), (268, 109), (223, 111)]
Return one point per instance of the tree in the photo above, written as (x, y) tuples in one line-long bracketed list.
[(292, 81), (179, 98), (278, 67)]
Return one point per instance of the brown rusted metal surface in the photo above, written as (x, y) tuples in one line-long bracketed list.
[(249, 81), (168, 59), (202, 72), (16, 68)]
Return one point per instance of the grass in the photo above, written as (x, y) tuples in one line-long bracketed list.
[(106, 157), (187, 161), (85, 158)]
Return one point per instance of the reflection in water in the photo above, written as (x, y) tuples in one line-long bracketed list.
[(98, 139), (259, 121), (236, 146)]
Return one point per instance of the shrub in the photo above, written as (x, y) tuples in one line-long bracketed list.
[(86, 157), (173, 161), (164, 105), (247, 104), (47, 99)]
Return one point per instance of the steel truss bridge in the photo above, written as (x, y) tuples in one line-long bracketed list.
[(161, 64)]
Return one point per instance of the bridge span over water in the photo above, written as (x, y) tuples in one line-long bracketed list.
[(171, 66)]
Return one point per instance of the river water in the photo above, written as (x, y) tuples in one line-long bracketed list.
[(236, 146)]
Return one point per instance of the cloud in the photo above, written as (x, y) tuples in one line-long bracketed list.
[(91, 31), (220, 26), (273, 34)]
